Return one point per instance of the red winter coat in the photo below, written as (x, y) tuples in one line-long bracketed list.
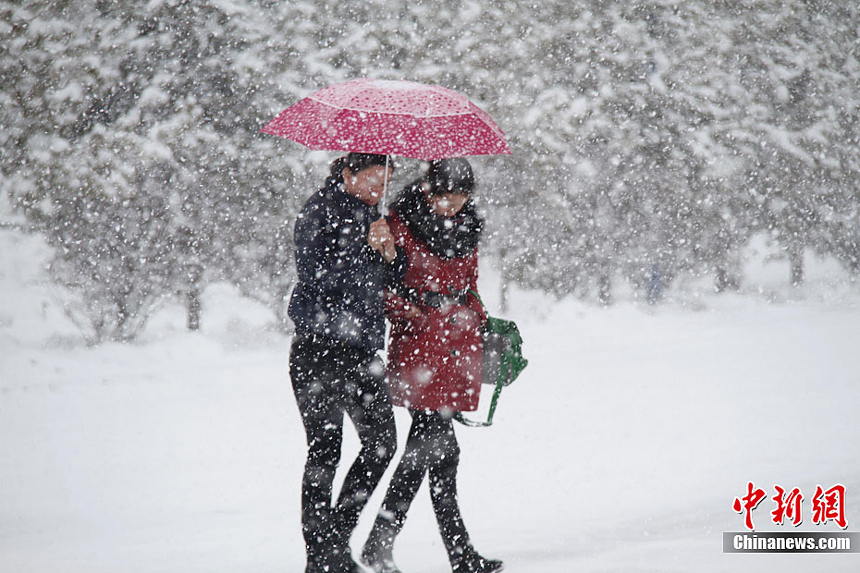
[(435, 360)]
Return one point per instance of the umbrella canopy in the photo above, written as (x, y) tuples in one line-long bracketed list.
[(400, 118)]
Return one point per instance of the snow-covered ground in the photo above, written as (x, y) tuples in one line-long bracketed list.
[(621, 447)]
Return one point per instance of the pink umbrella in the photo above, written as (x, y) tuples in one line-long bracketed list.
[(401, 118)]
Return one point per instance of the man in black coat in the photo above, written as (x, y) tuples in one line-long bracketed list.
[(346, 258)]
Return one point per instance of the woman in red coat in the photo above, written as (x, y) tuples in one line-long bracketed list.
[(434, 356)]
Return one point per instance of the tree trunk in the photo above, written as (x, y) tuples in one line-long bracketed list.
[(725, 280), (192, 300), (504, 293), (604, 290), (654, 286), (795, 258)]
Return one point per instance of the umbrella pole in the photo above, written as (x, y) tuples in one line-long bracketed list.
[(385, 187)]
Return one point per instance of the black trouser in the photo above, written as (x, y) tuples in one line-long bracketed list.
[(431, 448), (329, 379)]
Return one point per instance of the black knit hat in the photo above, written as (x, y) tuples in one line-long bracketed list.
[(360, 161), (355, 162), (453, 175)]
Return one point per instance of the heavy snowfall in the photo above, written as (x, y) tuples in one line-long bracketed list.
[(677, 233)]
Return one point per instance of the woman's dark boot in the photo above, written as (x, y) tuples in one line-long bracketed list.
[(377, 552), (470, 562)]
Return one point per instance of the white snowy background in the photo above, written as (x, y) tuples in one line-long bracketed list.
[(702, 139), (620, 448)]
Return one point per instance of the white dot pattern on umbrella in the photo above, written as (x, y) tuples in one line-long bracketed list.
[(391, 117), (391, 96)]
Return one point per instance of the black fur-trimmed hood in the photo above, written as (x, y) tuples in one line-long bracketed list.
[(446, 237)]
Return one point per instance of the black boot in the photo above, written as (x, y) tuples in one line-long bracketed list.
[(470, 562), (330, 551), (341, 566), (377, 552), (338, 561)]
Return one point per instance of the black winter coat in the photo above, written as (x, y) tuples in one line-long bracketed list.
[(339, 294)]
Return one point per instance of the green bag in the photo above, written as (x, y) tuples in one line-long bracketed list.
[(503, 360)]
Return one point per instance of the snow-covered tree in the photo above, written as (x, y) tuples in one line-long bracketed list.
[(123, 104), (650, 139)]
